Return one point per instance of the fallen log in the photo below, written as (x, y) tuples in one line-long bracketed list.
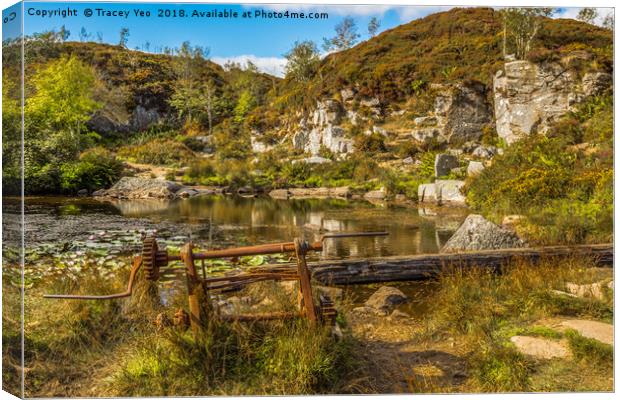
[(424, 266)]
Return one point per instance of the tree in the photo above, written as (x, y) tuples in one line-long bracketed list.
[(587, 15), (62, 100), (191, 93), (346, 36), (124, 37), (84, 35), (608, 21), (63, 34), (521, 25), (302, 61), (373, 26)]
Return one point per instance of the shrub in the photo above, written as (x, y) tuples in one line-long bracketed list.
[(96, 169), (158, 152)]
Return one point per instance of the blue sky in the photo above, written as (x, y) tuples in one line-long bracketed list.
[(263, 41)]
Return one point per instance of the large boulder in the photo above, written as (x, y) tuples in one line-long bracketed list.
[(141, 188), (386, 298), (444, 163), (478, 233), (442, 192)]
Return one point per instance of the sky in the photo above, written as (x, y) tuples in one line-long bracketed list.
[(262, 40)]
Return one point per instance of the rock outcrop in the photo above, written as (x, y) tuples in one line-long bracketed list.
[(322, 128), (460, 113), (140, 188), (385, 299), (478, 233), (529, 97)]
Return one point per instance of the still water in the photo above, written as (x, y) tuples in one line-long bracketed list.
[(224, 221)]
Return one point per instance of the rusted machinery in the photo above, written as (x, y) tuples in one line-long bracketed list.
[(152, 260)]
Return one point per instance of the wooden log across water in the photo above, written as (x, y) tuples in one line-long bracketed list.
[(424, 266)]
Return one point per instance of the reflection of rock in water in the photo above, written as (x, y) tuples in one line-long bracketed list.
[(141, 207)]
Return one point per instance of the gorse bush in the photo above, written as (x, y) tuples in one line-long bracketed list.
[(562, 184)]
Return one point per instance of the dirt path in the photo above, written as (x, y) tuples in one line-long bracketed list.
[(398, 362)]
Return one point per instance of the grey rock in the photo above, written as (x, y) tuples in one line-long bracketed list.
[(449, 191), (369, 311), (99, 193), (141, 188), (279, 194), (408, 160), (426, 121), (347, 94), (594, 83), (541, 347), (474, 168), (464, 111), (478, 233), (372, 102), (386, 298), (485, 152), (444, 163), (82, 193), (600, 331), (529, 97), (397, 314), (187, 193), (375, 194)]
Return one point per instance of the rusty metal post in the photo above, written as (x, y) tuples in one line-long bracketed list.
[(305, 286), (194, 287)]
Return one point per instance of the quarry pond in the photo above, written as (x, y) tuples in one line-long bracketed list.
[(81, 232)]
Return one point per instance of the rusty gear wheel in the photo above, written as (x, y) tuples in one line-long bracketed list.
[(150, 257)]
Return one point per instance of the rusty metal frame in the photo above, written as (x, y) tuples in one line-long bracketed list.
[(152, 259)]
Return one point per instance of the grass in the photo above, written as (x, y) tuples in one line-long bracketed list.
[(113, 348), (483, 310)]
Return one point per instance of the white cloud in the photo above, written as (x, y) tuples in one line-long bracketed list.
[(270, 65), (407, 14)]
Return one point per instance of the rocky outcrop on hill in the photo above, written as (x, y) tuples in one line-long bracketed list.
[(529, 97), (460, 113), (478, 233), (322, 128)]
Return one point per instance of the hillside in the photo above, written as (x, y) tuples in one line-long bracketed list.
[(456, 45)]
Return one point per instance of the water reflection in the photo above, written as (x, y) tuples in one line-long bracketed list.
[(240, 221)]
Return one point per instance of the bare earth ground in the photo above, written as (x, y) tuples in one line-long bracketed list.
[(399, 363)]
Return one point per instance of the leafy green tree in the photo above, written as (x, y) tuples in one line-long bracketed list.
[(346, 36), (587, 15), (522, 25), (245, 103), (373, 26), (63, 96), (303, 60), (193, 93)]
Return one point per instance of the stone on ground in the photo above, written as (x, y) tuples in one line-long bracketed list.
[(386, 298), (444, 163), (540, 347), (595, 290), (478, 233), (592, 329)]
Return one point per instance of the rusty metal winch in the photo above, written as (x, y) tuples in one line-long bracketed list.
[(152, 260)]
